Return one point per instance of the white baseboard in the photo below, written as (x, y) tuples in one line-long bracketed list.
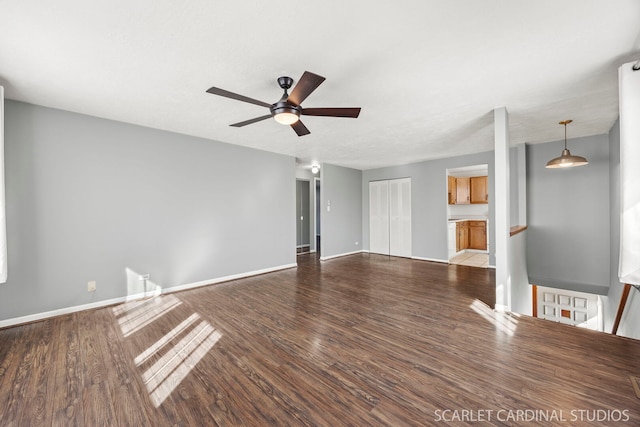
[(226, 278), (67, 310), (306, 253), (325, 258), (411, 257), (105, 303), (444, 261)]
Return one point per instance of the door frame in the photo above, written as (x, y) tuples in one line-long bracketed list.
[(311, 243), (317, 202)]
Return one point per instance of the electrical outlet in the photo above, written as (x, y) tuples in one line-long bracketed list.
[(91, 286), (357, 243)]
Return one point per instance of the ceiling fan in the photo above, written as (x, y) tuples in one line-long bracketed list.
[(287, 110)]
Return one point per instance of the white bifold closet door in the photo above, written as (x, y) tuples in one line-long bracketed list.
[(400, 217), (390, 217), (379, 217)]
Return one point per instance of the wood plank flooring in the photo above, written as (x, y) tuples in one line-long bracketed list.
[(359, 340)]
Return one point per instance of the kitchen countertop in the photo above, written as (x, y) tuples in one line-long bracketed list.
[(468, 218)]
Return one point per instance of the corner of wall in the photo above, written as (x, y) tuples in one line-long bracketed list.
[(341, 211), (611, 301)]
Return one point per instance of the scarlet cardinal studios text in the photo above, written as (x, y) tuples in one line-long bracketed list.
[(530, 415)]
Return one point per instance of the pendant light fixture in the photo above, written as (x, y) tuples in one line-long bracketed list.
[(566, 160)]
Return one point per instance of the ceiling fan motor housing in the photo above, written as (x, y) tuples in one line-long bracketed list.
[(285, 107)]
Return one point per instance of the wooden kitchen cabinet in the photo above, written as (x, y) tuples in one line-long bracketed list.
[(471, 235), (467, 190), (478, 235), (451, 189), (462, 191), (478, 189), (462, 235)]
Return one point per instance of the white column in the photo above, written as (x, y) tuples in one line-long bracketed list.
[(522, 184), (629, 86), (503, 220), (3, 225)]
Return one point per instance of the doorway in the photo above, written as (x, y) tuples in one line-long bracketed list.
[(468, 215), (303, 235)]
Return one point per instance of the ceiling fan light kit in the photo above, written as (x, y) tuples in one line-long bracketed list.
[(287, 110), (286, 116), (566, 159)]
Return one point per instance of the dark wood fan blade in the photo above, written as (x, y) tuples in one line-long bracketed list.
[(307, 84), (250, 121), (332, 112), (227, 94), (300, 128)]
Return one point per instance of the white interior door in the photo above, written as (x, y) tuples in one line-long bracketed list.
[(400, 217), (379, 217)]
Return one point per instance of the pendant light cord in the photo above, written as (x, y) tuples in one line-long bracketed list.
[(565, 123)]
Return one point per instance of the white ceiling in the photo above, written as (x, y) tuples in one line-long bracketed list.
[(427, 74)]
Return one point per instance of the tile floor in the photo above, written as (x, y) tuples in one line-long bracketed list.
[(472, 259)]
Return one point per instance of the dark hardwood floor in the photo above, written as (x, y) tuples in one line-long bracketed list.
[(359, 340)]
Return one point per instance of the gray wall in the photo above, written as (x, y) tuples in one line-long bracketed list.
[(615, 289), (514, 206), (342, 226), (88, 198), (614, 199), (630, 322), (521, 301), (429, 202), (568, 217)]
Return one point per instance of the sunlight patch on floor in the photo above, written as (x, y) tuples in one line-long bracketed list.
[(503, 322), (173, 360), (145, 314), (157, 346), (169, 371)]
